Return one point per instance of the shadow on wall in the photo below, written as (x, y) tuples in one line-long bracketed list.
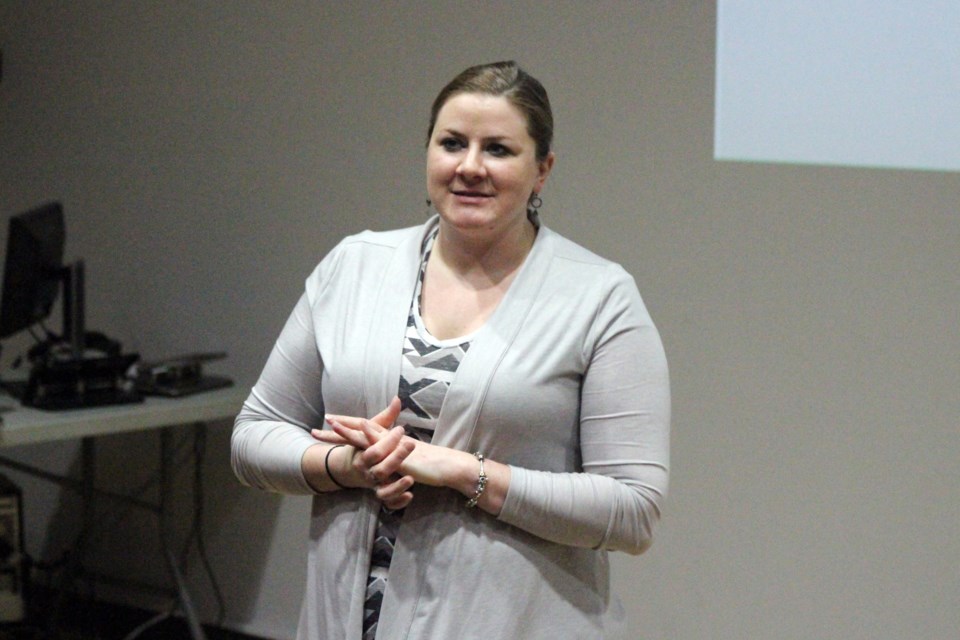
[(125, 543)]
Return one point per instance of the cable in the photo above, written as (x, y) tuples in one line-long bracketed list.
[(118, 512), (123, 511), (152, 622), (196, 531), (196, 534), (35, 336), (63, 569)]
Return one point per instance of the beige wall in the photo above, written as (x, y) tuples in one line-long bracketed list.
[(209, 153)]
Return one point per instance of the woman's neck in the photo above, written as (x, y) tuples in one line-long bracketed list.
[(483, 262)]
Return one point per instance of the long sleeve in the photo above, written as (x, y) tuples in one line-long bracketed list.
[(272, 430), (624, 427)]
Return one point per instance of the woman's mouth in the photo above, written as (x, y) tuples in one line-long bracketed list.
[(471, 197)]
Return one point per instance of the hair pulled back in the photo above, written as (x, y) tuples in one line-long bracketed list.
[(505, 79)]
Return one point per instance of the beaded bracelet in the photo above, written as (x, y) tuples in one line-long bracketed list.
[(481, 483)]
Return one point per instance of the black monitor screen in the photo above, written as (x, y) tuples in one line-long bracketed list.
[(32, 275)]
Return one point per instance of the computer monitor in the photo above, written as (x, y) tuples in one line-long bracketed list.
[(62, 375), (34, 268)]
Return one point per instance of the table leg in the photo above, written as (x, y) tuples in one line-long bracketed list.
[(166, 489), (88, 464), (74, 570)]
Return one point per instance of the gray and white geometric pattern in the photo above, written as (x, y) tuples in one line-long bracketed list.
[(427, 369)]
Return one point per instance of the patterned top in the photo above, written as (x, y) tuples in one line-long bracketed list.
[(428, 367)]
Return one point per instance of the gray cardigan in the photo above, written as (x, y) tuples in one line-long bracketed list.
[(566, 382)]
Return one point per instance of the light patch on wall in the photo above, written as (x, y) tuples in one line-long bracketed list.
[(870, 83)]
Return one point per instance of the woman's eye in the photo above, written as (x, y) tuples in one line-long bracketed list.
[(498, 150), (451, 144)]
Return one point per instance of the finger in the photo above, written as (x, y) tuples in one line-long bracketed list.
[(400, 502), (384, 419), (388, 416), (375, 432), (382, 457), (357, 424), (396, 494), (352, 422), (351, 436), (370, 432), (385, 457), (328, 436), (365, 462), (397, 486)]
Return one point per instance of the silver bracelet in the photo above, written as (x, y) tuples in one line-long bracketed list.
[(481, 483)]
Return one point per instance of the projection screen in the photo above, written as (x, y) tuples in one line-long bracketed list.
[(869, 83)]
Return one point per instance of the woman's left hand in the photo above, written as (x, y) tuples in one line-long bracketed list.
[(376, 464), (384, 420), (428, 463)]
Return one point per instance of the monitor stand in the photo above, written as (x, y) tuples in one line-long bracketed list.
[(67, 375), (75, 383)]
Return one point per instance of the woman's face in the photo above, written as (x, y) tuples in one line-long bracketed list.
[(482, 165)]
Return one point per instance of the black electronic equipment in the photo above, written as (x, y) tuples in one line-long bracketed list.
[(180, 376), (81, 382), (12, 565), (66, 371), (33, 268)]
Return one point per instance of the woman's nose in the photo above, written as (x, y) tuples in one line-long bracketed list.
[(471, 165)]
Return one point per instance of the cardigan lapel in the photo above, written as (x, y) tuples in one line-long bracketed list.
[(461, 407), (384, 345), (455, 425)]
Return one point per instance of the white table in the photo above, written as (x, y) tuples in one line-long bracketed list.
[(24, 425)]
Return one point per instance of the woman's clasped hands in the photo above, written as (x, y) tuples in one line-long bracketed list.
[(383, 458), (372, 457)]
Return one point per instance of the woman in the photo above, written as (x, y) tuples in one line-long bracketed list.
[(517, 396)]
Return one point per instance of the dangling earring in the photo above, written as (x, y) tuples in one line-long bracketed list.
[(533, 205), (429, 204)]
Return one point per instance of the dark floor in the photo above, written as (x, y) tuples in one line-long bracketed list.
[(73, 619)]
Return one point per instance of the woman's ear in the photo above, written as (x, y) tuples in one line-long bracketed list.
[(545, 167)]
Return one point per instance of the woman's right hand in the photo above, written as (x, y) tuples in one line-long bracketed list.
[(425, 463), (370, 463)]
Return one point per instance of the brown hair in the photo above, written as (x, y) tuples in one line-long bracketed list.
[(505, 79)]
